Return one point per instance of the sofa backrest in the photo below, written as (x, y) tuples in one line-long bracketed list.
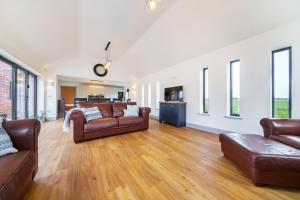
[(108, 109)]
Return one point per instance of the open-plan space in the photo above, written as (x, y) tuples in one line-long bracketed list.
[(149, 99)]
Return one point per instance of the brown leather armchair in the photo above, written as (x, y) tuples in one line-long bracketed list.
[(286, 131), (19, 169)]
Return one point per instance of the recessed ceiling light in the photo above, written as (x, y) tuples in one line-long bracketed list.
[(152, 4)]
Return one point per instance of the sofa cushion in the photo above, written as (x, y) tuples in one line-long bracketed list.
[(132, 110), (104, 108), (127, 121), (91, 113), (6, 146), (118, 109), (16, 171), (290, 140), (102, 123)]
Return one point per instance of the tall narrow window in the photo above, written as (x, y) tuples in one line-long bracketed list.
[(234, 73), (143, 95), (149, 95), (205, 91), (157, 94), (281, 83)]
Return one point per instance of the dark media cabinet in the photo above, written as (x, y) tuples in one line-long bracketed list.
[(173, 113)]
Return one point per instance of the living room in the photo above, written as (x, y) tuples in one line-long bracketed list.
[(155, 99)]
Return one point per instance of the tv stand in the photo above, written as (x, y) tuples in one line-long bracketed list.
[(173, 112)]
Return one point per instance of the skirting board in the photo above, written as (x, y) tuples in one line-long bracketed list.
[(199, 127), (207, 129), (154, 117)]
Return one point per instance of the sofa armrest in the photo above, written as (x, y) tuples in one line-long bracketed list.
[(78, 125), (280, 127), (144, 113), (24, 133)]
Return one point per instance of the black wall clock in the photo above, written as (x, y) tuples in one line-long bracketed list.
[(100, 70)]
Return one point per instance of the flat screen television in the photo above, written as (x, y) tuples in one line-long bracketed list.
[(174, 93)]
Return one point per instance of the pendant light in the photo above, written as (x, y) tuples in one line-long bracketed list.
[(151, 4), (108, 61)]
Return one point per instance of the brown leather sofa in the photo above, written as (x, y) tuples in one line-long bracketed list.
[(286, 131), (267, 160), (18, 170), (112, 123)]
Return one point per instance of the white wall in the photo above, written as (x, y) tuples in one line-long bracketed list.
[(107, 91), (255, 54), (40, 95), (191, 28), (60, 83), (84, 90)]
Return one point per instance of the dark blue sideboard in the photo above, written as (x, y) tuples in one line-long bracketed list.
[(173, 113)]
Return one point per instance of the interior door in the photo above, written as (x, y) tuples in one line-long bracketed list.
[(68, 94)]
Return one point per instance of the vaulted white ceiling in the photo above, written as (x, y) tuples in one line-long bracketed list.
[(41, 32), (195, 27)]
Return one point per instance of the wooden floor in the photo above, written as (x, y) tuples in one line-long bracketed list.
[(161, 163)]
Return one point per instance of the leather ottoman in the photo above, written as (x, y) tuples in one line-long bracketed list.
[(264, 160)]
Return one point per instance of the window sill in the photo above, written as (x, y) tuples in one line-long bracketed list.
[(233, 117), (204, 114)]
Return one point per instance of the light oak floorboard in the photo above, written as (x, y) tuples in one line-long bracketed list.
[(163, 162)]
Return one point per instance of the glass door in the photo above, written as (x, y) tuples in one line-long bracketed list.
[(6, 71), (18, 88), (31, 96), (21, 94)]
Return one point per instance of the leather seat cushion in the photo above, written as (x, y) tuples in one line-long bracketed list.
[(105, 109), (257, 144), (16, 171), (127, 121), (102, 123), (290, 140), (263, 153)]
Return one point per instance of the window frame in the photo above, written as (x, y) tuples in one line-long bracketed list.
[(204, 90), (157, 94), (290, 79), (149, 100), (15, 68), (231, 89), (143, 95)]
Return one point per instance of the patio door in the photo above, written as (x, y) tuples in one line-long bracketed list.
[(18, 91)]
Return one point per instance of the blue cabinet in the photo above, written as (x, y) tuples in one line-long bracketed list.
[(173, 113)]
